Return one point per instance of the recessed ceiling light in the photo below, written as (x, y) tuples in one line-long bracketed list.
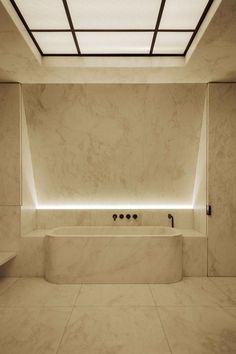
[(111, 27)]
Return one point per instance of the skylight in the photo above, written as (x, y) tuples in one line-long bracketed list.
[(112, 27)]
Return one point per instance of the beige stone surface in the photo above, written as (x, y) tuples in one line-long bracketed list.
[(29, 261), (31, 330), (121, 330), (190, 292), (221, 180), (200, 186), (5, 283), (199, 330), (114, 144), (227, 285), (113, 318), (29, 195), (115, 295), (36, 292), (48, 219), (10, 193), (194, 256), (108, 259), (9, 228)]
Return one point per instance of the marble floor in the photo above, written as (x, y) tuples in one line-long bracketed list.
[(196, 315)]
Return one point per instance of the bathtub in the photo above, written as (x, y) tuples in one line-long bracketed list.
[(113, 254)]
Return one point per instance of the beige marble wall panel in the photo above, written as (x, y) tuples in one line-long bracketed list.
[(10, 144), (221, 180), (113, 259), (29, 261), (29, 197), (9, 227), (195, 256), (28, 220), (200, 187), (106, 144), (47, 219)]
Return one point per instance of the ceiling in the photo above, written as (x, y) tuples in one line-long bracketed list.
[(214, 58), (111, 27)]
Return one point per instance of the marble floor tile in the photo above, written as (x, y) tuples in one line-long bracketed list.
[(199, 330), (31, 292), (114, 330), (227, 285), (115, 295), (32, 331), (190, 292), (5, 283)]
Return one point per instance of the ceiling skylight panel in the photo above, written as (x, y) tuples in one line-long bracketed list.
[(182, 14), (56, 42), (114, 42), (114, 14), (43, 14), (171, 42)]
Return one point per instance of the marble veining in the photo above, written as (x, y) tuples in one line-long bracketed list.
[(107, 258), (221, 180), (200, 186), (9, 228), (29, 195), (10, 190), (193, 316), (114, 144)]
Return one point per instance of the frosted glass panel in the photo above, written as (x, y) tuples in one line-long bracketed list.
[(171, 42), (43, 14), (126, 14), (115, 42), (55, 42), (182, 14)]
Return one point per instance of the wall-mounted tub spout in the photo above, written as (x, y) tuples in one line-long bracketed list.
[(170, 216)]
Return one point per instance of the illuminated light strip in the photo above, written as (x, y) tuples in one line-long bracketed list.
[(112, 207)]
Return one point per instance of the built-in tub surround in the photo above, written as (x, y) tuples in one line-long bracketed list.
[(113, 255)]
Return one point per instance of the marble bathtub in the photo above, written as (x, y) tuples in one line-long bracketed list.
[(110, 254)]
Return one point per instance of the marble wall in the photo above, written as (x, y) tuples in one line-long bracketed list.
[(29, 196), (221, 180), (10, 166), (200, 187), (106, 144)]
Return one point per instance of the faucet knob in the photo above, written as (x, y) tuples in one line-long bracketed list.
[(114, 217)]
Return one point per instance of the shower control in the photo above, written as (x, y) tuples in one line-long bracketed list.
[(135, 216), (114, 217), (128, 216), (121, 216)]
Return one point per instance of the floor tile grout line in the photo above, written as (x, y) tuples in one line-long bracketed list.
[(152, 295), (65, 328), (158, 314), (68, 321)]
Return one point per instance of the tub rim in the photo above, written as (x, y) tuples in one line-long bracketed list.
[(97, 235)]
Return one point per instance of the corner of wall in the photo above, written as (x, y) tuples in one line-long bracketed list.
[(29, 196), (200, 185)]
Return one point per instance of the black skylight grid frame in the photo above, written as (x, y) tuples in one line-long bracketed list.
[(73, 31)]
